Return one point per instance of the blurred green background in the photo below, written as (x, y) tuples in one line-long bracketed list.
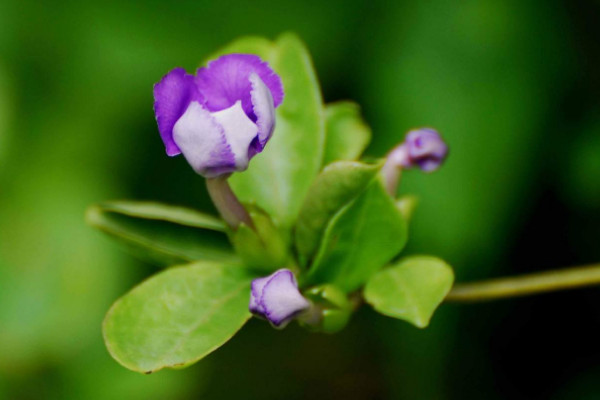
[(512, 85)]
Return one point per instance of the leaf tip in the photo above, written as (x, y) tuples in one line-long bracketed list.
[(92, 215)]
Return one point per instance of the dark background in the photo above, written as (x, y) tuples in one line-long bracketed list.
[(512, 85)]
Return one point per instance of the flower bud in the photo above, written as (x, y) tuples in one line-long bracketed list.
[(424, 149), (276, 298)]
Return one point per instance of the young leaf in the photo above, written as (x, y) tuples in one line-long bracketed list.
[(332, 309), (278, 178), (407, 205), (178, 316), (338, 184), (359, 240), (346, 134), (262, 248), (163, 234), (411, 290)]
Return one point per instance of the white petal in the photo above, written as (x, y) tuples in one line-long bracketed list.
[(203, 143), (239, 132), (262, 103)]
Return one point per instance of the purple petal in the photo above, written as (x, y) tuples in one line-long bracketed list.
[(239, 133), (202, 141), (264, 109), (172, 96), (281, 299), (256, 291), (227, 79), (429, 164)]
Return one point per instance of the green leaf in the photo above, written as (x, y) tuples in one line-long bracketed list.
[(163, 234), (411, 290), (178, 316), (329, 296), (331, 309), (338, 184), (258, 45), (164, 212), (359, 240), (278, 178), (262, 248), (346, 134), (407, 205)]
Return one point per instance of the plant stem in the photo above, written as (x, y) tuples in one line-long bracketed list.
[(391, 177), (228, 205), (526, 285)]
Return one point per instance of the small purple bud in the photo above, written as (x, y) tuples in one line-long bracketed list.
[(222, 116), (426, 149), (423, 148), (276, 298)]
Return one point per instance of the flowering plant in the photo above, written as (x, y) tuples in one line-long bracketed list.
[(308, 232)]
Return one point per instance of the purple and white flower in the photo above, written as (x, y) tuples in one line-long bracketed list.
[(222, 116), (276, 298)]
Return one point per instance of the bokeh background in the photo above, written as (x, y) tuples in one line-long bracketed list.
[(513, 86)]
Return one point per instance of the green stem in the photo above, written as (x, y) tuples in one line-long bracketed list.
[(391, 177), (228, 205), (526, 285)]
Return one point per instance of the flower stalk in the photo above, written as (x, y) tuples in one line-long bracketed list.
[(391, 173), (228, 205), (526, 285)]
